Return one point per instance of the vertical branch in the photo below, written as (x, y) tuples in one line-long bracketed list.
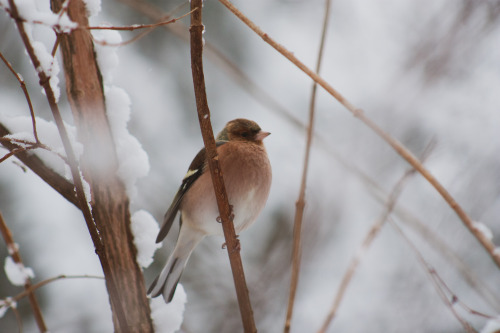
[(233, 246), (13, 251), (99, 164), (109, 221), (26, 94), (301, 202), (83, 205)]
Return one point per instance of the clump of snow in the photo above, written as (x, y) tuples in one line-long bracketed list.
[(17, 273), (145, 228), (483, 229), (21, 127), (12, 248), (133, 160), (6, 304), (167, 318), (93, 7), (49, 66), (492, 326), (33, 13), (107, 57)]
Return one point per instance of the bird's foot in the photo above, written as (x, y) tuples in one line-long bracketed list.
[(237, 246), (231, 215)]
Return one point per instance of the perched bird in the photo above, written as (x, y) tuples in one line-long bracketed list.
[(247, 177)]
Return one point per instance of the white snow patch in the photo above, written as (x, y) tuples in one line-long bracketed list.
[(145, 228), (21, 128), (483, 229), (107, 57), (17, 273), (6, 304), (133, 160), (93, 7), (167, 318)]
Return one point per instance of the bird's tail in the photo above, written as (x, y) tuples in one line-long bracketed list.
[(167, 281)]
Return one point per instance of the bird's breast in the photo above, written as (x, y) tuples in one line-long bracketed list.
[(247, 178)]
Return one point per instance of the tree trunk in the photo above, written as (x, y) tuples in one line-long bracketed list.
[(110, 204)]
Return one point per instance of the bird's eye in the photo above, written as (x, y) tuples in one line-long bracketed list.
[(245, 134)]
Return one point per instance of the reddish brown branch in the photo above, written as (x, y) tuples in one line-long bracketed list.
[(141, 26), (16, 256), (233, 246), (52, 178), (26, 94), (40, 284)]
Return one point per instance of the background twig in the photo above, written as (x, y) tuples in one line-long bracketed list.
[(370, 236), (301, 202), (14, 252)]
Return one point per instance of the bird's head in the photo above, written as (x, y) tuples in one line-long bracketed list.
[(242, 130)]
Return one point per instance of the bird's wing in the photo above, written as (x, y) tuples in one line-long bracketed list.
[(196, 169)]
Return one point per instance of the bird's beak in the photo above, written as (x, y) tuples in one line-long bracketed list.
[(261, 135)]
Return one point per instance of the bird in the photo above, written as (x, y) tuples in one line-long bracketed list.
[(247, 177)]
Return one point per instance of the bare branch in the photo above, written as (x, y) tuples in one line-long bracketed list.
[(301, 202), (26, 94), (16, 256), (40, 284), (52, 178), (233, 245), (141, 26)]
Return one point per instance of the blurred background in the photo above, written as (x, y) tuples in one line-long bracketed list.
[(422, 70)]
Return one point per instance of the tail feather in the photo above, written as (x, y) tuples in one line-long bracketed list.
[(170, 275)]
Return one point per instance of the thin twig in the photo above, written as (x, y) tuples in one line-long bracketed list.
[(141, 26), (52, 178), (436, 281), (215, 55), (370, 236), (233, 244), (18, 318), (301, 202), (73, 163), (396, 145), (26, 94), (29, 145), (56, 44), (16, 256), (40, 284), (149, 27)]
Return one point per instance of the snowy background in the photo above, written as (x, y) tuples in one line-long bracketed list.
[(422, 70)]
